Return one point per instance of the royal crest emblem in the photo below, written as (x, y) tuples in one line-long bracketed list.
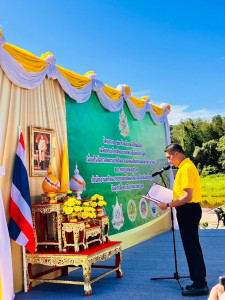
[(123, 125), (118, 218), (132, 210)]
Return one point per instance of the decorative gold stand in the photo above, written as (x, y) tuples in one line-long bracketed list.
[(103, 221), (43, 209), (93, 234), (78, 231), (81, 235), (86, 259)]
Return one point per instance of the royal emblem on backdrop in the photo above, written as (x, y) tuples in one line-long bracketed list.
[(123, 125), (118, 218), (132, 210)]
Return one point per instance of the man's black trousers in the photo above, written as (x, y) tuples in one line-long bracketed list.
[(188, 217)]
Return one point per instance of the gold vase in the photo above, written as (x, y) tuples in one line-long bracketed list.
[(52, 197), (73, 219), (99, 211), (87, 223)]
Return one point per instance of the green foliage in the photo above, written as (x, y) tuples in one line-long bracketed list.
[(221, 150), (207, 156), (202, 141), (208, 170), (203, 225)]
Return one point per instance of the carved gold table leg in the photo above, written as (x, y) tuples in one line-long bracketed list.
[(29, 276), (119, 273), (76, 241), (59, 222), (87, 278), (54, 225), (64, 241)]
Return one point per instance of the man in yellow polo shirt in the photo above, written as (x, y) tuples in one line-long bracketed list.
[(186, 198)]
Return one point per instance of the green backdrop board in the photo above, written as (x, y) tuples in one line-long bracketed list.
[(116, 156)]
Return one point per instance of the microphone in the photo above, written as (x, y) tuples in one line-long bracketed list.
[(161, 171)]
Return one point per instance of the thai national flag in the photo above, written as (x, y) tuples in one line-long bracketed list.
[(20, 224)]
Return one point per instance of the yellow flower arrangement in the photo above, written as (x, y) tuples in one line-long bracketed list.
[(71, 202), (71, 207), (92, 215), (85, 215), (94, 204), (68, 210), (98, 201)]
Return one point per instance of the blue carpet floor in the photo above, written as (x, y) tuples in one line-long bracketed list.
[(153, 258)]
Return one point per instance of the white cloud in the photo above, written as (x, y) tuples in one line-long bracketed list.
[(142, 93), (179, 113), (182, 112)]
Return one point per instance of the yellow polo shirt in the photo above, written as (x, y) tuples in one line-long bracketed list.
[(187, 178)]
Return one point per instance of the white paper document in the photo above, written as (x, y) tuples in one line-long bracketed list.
[(158, 194)]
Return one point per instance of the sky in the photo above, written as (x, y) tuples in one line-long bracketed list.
[(171, 51)]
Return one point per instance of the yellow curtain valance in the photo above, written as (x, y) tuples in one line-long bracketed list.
[(30, 62), (137, 102), (76, 80), (112, 93), (32, 70)]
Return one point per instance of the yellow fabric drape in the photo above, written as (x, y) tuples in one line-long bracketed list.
[(43, 106), (32, 63), (157, 110), (29, 61), (137, 102), (76, 80), (65, 169), (112, 93)]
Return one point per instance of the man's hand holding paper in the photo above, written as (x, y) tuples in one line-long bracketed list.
[(160, 195)]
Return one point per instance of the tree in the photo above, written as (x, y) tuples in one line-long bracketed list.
[(207, 155), (203, 141), (221, 149)]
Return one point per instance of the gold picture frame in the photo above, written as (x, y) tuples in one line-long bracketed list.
[(42, 150)]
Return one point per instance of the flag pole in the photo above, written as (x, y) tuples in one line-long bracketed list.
[(24, 271)]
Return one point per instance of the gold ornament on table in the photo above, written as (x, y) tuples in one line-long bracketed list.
[(51, 186), (98, 203), (72, 208), (77, 184)]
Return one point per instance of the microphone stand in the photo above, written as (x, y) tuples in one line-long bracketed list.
[(176, 275)]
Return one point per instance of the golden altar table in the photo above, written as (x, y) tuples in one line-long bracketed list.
[(85, 259)]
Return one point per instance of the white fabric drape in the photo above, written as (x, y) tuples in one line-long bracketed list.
[(107, 103), (6, 272), (29, 80), (137, 113)]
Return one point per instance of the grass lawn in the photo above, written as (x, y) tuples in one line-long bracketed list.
[(213, 189)]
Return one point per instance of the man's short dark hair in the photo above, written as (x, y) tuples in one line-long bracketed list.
[(174, 148)]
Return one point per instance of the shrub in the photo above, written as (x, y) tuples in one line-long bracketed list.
[(208, 170)]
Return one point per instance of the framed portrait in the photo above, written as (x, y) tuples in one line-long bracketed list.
[(42, 150)]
